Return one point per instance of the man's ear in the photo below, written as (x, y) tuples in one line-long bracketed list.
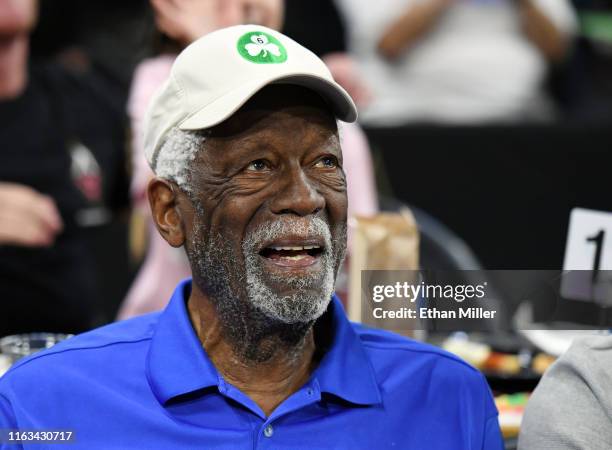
[(164, 201)]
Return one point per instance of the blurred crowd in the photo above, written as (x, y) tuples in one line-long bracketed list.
[(77, 245)]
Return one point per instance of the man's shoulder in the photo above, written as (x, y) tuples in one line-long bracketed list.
[(585, 366), (116, 340), (390, 349), (574, 394)]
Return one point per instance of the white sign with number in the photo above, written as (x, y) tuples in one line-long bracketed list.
[(588, 250)]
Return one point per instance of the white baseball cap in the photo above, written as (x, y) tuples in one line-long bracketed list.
[(217, 74)]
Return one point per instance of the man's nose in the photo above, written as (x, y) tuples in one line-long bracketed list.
[(297, 195)]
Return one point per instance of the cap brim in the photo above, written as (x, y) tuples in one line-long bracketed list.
[(339, 100)]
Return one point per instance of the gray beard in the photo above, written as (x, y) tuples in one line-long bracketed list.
[(311, 294), (258, 321)]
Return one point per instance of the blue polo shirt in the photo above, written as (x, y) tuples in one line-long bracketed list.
[(147, 383)]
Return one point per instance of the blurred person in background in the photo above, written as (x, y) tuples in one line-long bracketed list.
[(457, 61), (328, 43), (60, 170), (571, 409), (180, 22)]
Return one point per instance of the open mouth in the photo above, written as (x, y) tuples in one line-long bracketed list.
[(292, 255)]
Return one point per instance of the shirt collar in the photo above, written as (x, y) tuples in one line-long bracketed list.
[(345, 369), (177, 363)]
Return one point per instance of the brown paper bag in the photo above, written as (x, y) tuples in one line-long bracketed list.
[(385, 241)]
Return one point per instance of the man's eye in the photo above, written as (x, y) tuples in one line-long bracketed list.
[(258, 165), (327, 162)]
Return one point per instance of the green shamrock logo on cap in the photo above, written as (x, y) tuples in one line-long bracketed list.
[(261, 48)]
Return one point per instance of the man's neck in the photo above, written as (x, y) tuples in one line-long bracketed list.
[(13, 66), (267, 381)]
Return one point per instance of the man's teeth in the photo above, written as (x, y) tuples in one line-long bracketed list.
[(304, 247), (295, 258)]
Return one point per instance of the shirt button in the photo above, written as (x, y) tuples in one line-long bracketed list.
[(268, 431), (310, 391)]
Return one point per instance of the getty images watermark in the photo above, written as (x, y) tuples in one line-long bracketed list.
[(427, 293), (482, 300)]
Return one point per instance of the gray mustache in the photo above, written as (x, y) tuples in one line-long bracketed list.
[(313, 228)]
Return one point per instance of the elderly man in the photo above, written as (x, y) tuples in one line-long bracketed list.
[(255, 352)]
